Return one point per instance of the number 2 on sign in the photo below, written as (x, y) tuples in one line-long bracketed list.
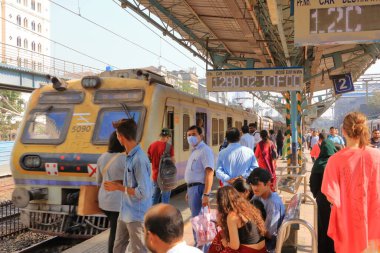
[(342, 84)]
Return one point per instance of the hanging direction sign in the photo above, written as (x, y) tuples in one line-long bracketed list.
[(342, 83), (271, 79), (336, 21)]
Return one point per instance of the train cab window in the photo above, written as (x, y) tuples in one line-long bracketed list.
[(221, 131), (215, 132), (104, 128), (47, 127), (186, 125)]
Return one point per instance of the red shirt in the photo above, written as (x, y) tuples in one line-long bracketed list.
[(155, 151)]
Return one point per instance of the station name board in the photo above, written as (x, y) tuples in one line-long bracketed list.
[(319, 22), (273, 79)]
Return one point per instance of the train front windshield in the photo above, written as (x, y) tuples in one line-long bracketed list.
[(48, 127), (104, 126)]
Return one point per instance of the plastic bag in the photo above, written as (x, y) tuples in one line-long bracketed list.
[(204, 226)]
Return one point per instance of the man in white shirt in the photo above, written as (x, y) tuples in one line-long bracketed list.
[(253, 131), (246, 139), (164, 230)]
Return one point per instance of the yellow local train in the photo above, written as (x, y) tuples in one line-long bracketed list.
[(67, 125)]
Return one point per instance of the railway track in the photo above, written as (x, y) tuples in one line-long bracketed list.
[(10, 223), (53, 244)]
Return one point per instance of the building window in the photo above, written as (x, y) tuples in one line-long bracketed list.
[(26, 63), (18, 19), (18, 61), (33, 4), (39, 48), (18, 1), (39, 27), (39, 66), (33, 24), (33, 46), (25, 22), (25, 43), (39, 7), (33, 65), (19, 41), (26, 2)]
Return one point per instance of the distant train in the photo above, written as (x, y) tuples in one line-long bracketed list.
[(374, 124), (67, 125)]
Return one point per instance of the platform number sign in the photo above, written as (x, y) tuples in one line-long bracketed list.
[(342, 83)]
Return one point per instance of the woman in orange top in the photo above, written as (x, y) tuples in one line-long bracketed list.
[(264, 153), (351, 183)]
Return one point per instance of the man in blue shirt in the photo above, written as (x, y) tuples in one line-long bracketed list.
[(199, 172), (137, 187), (335, 138), (236, 160), (259, 180)]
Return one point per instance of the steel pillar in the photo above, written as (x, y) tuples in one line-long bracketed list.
[(293, 124)]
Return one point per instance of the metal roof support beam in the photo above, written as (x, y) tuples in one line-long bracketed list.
[(147, 17), (248, 33), (175, 21), (335, 68)]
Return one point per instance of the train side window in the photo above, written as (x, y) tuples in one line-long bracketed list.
[(201, 121), (215, 132), (229, 122), (104, 128), (186, 125), (221, 131), (170, 124)]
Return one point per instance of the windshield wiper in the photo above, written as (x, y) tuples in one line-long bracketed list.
[(126, 110)]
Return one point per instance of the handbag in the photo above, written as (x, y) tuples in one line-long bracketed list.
[(88, 202), (204, 226)]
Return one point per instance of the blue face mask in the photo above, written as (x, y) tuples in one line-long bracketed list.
[(192, 140)]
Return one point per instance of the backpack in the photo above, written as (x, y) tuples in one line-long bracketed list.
[(167, 172)]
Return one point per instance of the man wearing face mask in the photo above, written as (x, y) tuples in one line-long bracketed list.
[(199, 171)]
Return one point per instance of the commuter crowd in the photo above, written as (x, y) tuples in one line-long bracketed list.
[(249, 210)]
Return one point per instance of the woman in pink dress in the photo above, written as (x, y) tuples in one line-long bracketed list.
[(351, 183), (263, 153)]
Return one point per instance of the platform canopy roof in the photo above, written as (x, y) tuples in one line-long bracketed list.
[(242, 34)]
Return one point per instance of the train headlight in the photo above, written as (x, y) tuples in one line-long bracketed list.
[(32, 161), (90, 82)]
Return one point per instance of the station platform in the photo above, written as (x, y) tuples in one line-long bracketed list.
[(99, 243)]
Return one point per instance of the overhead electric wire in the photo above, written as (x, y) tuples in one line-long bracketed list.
[(126, 10), (114, 33), (58, 43)]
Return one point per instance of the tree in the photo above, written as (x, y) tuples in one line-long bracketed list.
[(11, 108)]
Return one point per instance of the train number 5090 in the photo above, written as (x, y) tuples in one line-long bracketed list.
[(81, 129)]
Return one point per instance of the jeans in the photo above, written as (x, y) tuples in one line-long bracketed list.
[(194, 195), (112, 217), (157, 193)]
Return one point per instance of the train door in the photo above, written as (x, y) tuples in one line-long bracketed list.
[(201, 121)]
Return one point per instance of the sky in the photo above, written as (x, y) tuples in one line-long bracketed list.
[(73, 31)]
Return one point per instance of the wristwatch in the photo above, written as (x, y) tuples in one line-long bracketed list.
[(206, 194)]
